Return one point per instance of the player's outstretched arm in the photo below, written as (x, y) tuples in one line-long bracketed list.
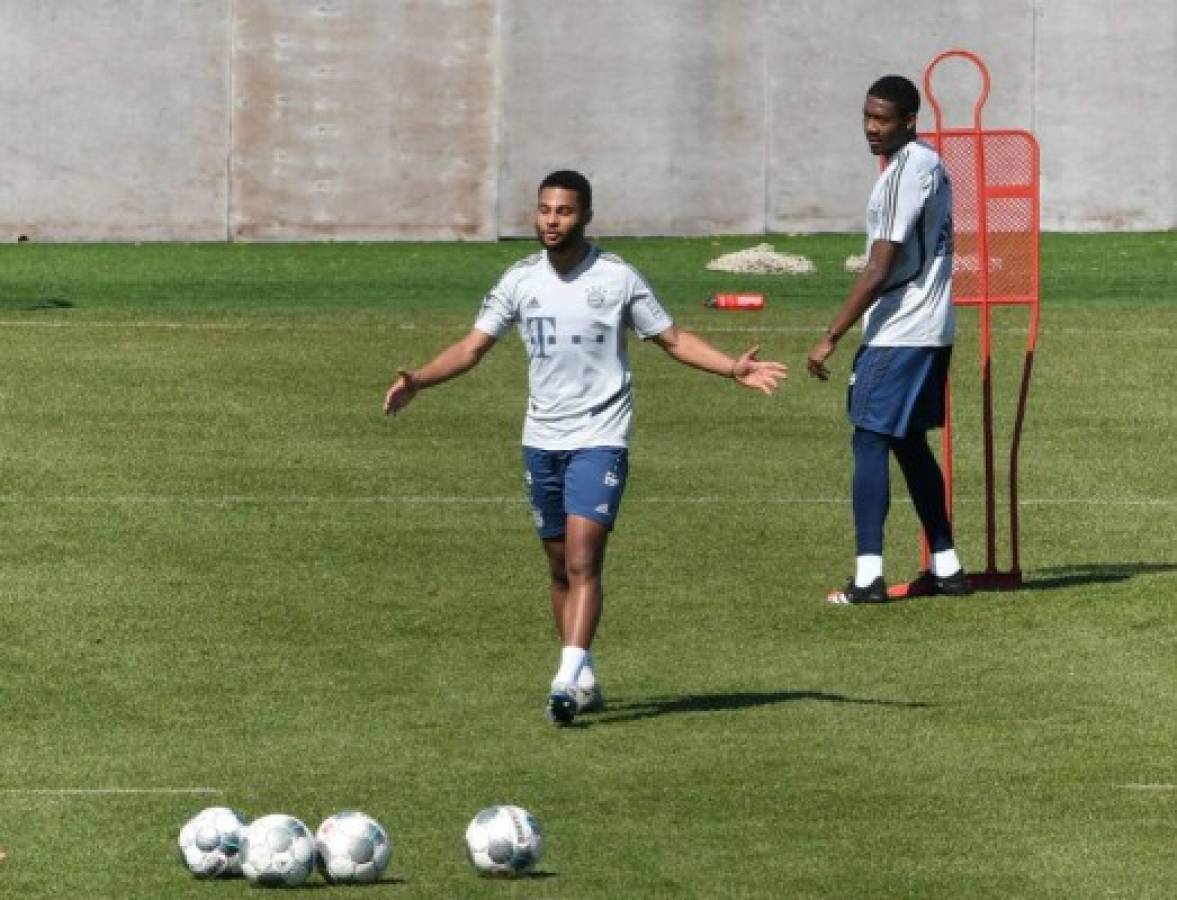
[(459, 357), (690, 349), (862, 294)]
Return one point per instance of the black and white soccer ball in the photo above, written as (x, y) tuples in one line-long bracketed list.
[(352, 848), (504, 840), (210, 842), (277, 851)]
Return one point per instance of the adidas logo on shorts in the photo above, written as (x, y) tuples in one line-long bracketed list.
[(603, 509)]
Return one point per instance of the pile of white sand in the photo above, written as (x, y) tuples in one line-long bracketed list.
[(855, 262), (762, 260)]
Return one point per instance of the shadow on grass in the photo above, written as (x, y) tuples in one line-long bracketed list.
[(316, 884), (1046, 579), (1100, 573), (35, 303), (701, 703), (534, 875)]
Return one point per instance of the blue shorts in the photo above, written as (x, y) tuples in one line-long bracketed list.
[(561, 483), (894, 390)]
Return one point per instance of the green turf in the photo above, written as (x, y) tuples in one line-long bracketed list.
[(224, 570)]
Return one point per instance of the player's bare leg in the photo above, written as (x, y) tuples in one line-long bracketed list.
[(589, 697), (577, 601), (557, 572), (584, 560)]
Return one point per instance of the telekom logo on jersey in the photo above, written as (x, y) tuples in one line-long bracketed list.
[(541, 331), (541, 335)]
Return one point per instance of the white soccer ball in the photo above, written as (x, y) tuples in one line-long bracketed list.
[(504, 840), (352, 848), (277, 851), (209, 842)]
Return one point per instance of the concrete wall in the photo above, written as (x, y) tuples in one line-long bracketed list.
[(115, 119), (396, 119), (663, 112), (1105, 113), (363, 119)]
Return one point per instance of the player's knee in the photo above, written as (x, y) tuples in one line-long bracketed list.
[(580, 566)]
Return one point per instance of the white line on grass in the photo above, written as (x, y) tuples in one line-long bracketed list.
[(817, 329), (408, 326), (89, 792), (241, 500), (1149, 787), (197, 326), (444, 500), (1089, 501), (168, 326)]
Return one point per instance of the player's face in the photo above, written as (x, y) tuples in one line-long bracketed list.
[(885, 128), (559, 219)]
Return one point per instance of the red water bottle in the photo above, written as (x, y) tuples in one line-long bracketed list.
[(735, 301)]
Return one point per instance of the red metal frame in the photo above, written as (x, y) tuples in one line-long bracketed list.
[(984, 299)]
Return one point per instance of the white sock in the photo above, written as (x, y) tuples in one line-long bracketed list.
[(571, 662), (867, 569), (588, 676), (945, 563)]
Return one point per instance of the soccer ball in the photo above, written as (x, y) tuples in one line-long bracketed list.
[(277, 851), (352, 848), (504, 840), (209, 842)]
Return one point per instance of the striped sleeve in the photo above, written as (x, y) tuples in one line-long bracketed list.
[(647, 316), (904, 193), (499, 310)]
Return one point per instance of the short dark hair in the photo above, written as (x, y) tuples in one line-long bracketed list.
[(571, 181), (898, 90)]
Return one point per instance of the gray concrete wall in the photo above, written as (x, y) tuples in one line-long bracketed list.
[(397, 119), (115, 119), (363, 119), (1105, 112), (660, 104)]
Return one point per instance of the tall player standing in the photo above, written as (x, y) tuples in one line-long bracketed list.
[(904, 295), (572, 305)]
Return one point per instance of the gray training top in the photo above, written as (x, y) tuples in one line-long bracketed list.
[(573, 327)]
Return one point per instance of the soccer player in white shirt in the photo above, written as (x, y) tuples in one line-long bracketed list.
[(572, 305), (904, 296)]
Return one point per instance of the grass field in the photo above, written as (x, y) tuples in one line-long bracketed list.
[(227, 580)]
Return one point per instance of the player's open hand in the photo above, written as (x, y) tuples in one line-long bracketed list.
[(402, 391), (759, 375), (816, 360)]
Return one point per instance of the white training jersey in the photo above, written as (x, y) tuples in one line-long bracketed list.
[(911, 204), (574, 326)]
